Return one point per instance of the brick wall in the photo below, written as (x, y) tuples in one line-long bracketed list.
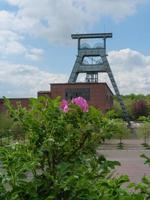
[(100, 94), (97, 94), (44, 93)]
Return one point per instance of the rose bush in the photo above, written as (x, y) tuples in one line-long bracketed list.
[(58, 160), (79, 101)]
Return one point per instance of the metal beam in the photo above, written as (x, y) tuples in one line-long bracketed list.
[(91, 35), (92, 52), (92, 68)]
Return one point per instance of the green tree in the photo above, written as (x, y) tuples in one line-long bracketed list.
[(144, 132), (121, 131)]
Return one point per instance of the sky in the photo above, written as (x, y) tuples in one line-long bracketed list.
[(36, 48)]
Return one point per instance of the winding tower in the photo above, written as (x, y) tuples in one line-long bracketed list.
[(98, 64)]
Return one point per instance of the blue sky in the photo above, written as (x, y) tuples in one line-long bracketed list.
[(36, 46)]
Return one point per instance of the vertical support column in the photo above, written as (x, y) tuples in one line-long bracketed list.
[(105, 44), (114, 84), (79, 44)]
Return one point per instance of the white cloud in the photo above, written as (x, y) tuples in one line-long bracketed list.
[(6, 19), (12, 44), (14, 47), (131, 70), (117, 9), (56, 20), (35, 54), (25, 80)]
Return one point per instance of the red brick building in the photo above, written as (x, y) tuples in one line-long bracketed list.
[(97, 94)]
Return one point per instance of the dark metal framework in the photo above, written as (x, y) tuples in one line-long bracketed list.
[(93, 69)]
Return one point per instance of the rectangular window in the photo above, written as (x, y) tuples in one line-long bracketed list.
[(77, 92)]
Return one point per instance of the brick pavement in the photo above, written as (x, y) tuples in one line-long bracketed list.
[(131, 162)]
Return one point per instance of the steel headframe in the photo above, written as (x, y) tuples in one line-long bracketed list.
[(93, 69)]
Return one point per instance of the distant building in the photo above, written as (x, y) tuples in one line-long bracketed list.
[(97, 94), (91, 60)]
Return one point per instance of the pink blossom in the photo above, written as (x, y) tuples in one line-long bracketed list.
[(81, 102), (64, 105)]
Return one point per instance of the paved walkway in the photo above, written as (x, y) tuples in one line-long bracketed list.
[(131, 162)]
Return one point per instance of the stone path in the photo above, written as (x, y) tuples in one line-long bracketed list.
[(131, 162)]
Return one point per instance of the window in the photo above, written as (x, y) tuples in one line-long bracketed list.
[(71, 93)]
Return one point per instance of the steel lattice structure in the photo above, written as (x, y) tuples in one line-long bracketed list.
[(93, 69)]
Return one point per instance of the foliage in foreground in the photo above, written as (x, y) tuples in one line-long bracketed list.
[(58, 159)]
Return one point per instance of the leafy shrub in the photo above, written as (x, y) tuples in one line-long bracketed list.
[(112, 114), (144, 119), (58, 160), (17, 132)]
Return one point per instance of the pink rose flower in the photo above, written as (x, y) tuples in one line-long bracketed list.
[(81, 102), (64, 105)]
